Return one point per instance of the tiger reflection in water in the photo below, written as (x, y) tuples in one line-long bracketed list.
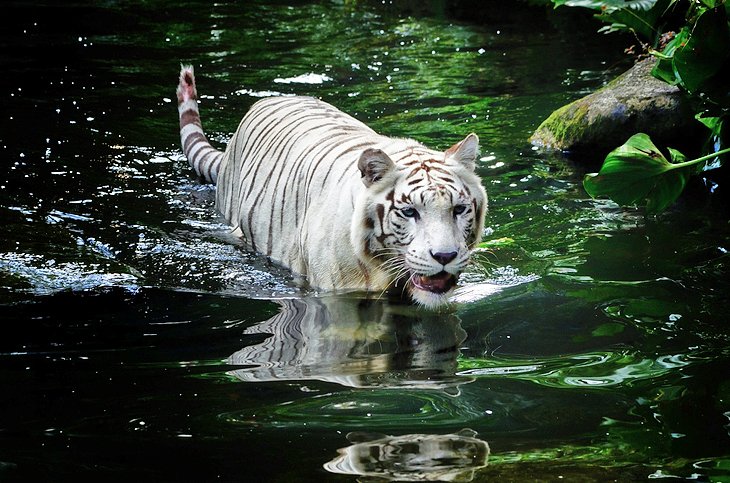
[(412, 457), (371, 343), (355, 343)]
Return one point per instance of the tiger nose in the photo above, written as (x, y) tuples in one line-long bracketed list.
[(444, 257)]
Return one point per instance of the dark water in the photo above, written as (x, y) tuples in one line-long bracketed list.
[(140, 341)]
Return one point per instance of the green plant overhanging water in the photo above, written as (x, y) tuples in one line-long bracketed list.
[(644, 18), (697, 60), (637, 173)]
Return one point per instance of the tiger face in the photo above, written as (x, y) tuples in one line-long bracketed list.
[(422, 214)]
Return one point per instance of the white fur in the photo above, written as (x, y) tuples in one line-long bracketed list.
[(294, 190)]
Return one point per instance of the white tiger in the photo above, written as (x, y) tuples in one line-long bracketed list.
[(327, 197)]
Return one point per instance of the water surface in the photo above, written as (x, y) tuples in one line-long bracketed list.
[(141, 339)]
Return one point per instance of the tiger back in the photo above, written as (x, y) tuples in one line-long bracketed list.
[(324, 195)]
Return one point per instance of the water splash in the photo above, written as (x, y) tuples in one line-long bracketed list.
[(44, 276)]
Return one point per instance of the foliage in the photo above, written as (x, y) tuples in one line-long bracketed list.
[(638, 172), (642, 17), (697, 54), (697, 60)]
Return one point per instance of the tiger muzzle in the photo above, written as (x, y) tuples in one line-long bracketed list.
[(440, 283)]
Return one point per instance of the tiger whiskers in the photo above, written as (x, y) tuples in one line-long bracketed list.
[(479, 262), (385, 251), (482, 255), (394, 257), (394, 279), (394, 267)]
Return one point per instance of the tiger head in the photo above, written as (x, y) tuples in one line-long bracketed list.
[(419, 216)]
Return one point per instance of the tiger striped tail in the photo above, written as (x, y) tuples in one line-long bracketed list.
[(203, 158)]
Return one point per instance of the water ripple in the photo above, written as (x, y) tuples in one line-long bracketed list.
[(362, 410), (598, 370)]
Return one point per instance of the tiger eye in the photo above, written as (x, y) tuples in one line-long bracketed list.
[(409, 212)]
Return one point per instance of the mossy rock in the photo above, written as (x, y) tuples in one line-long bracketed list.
[(633, 102)]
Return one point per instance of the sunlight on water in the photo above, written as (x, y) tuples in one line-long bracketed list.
[(310, 78), (43, 276)]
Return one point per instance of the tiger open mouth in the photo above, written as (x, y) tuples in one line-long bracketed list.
[(442, 282)]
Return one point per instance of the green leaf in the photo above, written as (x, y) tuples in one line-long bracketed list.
[(705, 52), (614, 27), (664, 69), (640, 21), (639, 16), (637, 173), (718, 139), (607, 4), (713, 123), (676, 156), (628, 15), (710, 3)]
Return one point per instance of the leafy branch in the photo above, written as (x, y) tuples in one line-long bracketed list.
[(641, 17), (697, 60)]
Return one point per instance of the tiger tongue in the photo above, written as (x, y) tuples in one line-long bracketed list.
[(439, 283)]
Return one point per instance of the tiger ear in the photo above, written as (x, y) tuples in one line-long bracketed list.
[(465, 151), (374, 164)]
